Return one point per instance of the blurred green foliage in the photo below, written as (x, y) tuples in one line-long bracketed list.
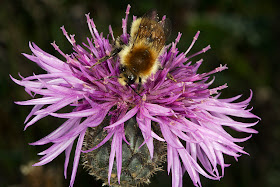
[(242, 34)]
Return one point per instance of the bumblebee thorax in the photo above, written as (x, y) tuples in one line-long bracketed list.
[(140, 59)]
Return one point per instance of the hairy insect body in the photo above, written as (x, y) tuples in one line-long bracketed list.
[(139, 59)]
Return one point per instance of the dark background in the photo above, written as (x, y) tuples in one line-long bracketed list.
[(242, 34)]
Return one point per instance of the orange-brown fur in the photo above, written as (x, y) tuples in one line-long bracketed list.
[(143, 59)]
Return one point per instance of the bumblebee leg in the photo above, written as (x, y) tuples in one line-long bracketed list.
[(118, 45), (168, 74), (171, 77), (100, 61), (114, 52), (102, 79)]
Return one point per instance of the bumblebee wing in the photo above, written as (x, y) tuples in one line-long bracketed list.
[(151, 31), (166, 25), (151, 15), (148, 21)]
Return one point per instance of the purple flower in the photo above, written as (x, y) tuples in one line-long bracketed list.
[(190, 115)]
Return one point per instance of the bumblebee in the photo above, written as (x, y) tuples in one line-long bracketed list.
[(139, 58)]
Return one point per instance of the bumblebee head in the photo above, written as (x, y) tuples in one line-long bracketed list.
[(126, 76)]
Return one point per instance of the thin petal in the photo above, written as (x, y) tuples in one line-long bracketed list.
[(67, 156), (77, 157), (127, 116)]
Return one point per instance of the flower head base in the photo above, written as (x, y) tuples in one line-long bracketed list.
[(137, 164), (188, 113)]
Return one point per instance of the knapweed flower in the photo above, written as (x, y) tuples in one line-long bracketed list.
[(188, 115)]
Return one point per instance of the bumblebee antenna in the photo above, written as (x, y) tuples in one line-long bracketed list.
[(134, 90)]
